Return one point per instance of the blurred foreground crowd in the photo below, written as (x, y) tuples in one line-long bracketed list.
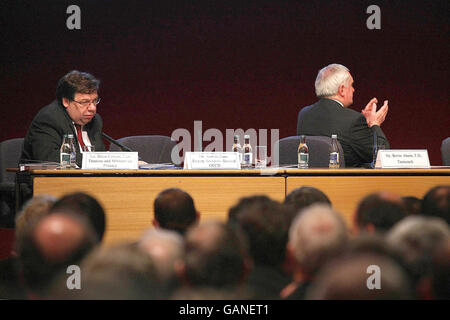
[(398, 248)]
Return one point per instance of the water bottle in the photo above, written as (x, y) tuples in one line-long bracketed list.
[(303, 154), (237, 148), (68, 155), (334, 153), (248, 155)]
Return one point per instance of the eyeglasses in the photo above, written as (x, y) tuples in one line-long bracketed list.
[(88, 103)]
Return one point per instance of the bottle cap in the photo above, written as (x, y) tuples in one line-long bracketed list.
[(334, 136), (246, 136), (70, 136)]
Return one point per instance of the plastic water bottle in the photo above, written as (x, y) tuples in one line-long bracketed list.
[(334, 153), (237, 148), (303, 154), (68, 155), (248, 155)]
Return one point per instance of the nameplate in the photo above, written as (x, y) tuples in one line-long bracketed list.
[(407, 159), (110, 160), (212, 160)]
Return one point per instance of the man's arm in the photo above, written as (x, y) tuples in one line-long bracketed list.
[(362, 138), (46, 141)]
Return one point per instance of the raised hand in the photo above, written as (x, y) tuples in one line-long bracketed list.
[(374, 117)]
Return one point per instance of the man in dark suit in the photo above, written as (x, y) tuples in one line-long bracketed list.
[(330, 115), (73, 112)]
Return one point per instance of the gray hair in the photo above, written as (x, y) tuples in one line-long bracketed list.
[(416, 236), (317, 234), (330, 78), (166, 247)]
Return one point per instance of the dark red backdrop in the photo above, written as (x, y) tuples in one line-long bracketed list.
[(231, 64)]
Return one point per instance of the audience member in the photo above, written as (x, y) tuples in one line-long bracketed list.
[(166, 248), (242, 205), (349, 278), (378, 212), (216, 257), (376, 243), (267, 250), (317, 235), (413, 205), (415, 239), (49, 247), (436, 203), (34, 209), (265, 223), (303, 197), (175, 210), (440, 272), (118, 272), (83, 204), (204, 293)]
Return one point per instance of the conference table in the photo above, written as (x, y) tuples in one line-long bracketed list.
[(127, 195)]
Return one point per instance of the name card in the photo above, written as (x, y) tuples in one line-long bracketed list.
[(212, 160), (407, 159), (110, 160)]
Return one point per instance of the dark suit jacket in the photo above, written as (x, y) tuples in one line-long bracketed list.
[(327, 117), (45, 135)]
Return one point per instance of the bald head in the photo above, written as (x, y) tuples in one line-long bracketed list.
[(50, 246), (58, 235)]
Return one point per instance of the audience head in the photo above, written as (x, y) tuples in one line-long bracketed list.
[(208, 293), (415, 239), (317, 235), (117, 272), (34, 209), (50, 246), (303, 197), (175, 210), (378, 212), (354, 277), (436, 203), (166, 248), (215, 256), (265, 224), (440, 273), (413, 205), (83, 204), (242, 205)]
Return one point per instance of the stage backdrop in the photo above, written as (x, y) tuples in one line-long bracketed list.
[(231, 64)]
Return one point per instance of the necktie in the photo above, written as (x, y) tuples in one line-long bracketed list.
[(79, 136)]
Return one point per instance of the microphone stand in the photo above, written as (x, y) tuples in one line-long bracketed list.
[(117, 143)]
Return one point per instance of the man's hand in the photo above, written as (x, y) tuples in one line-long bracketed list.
[(374, 117)]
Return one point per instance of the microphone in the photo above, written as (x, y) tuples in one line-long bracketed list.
[(117, 143)]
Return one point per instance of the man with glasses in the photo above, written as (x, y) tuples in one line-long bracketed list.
[(73, 112)]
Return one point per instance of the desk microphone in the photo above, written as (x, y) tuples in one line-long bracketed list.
[(117, 143)]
